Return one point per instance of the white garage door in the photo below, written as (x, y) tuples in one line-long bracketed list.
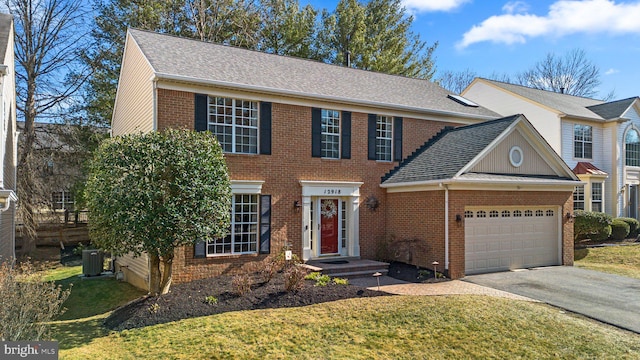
[(498, 239)]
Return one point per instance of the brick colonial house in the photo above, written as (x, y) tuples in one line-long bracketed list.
[(8, 139), (338, 162)]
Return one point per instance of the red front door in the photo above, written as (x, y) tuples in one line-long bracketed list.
[(329, 226)]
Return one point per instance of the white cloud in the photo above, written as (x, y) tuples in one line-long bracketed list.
[(433, 5), (611, 71), (513, 7), (564, 17)]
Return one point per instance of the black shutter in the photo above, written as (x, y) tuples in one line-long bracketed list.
[(372, 136), (199, 249), (265, 128), (397, 139), (316, 132), (201, 113), (265, 224), (346, 135)]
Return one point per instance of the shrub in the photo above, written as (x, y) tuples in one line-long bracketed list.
[(633, 226), (211, 300), (269, 269), (619, 229), (340, 281), (241, 284), (293, 278), (27, 303), (591, 225)]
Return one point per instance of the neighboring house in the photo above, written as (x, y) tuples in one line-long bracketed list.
[(8, 140), (57, 169), (307, 145), (599, 140)]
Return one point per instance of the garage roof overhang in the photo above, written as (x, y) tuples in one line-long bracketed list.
[(497, 183)]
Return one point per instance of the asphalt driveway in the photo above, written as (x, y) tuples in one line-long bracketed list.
[(611, 299)]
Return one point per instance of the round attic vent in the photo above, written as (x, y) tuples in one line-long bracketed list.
[(516, 156)]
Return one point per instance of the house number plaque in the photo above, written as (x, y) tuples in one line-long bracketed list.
[(332, 191)]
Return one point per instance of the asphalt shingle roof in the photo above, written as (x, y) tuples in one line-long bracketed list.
[(567, 104), (5, 29), (447, 153), (613, 109), (198, 61)]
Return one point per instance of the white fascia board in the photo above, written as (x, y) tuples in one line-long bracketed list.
[(493, 185), (317, 97)]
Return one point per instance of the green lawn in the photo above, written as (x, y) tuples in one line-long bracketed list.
[(398, 327), (620, 260)]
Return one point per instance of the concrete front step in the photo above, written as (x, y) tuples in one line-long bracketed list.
[(347, 267)]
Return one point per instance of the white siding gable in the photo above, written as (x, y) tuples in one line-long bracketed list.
[(545, 120)]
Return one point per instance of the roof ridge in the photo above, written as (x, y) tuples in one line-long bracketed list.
[(282, 56), (445, 130), (542, 90)]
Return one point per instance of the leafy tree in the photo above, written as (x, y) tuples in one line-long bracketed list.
[(287, 29), (155, 192), (378, 37), (48, 74)]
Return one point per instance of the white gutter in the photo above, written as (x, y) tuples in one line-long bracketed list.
[(482, 181), (446, 226), (8, 195), (154, 81), (318, 97)]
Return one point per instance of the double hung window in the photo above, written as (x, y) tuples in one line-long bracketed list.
[(235, 124)]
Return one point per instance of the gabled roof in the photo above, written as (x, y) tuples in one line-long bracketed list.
[(5, 29), (587, 168), (566, 104), (448, 154), (613, 109), (179, 59)]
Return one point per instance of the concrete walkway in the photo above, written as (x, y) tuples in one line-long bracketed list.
[(454, 287)]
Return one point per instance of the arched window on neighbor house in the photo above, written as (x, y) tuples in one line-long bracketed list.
[(632, 148)]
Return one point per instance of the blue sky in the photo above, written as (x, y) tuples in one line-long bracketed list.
[(490, 36)]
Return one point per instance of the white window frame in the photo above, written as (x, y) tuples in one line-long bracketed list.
[(239, 188), (596, 195), (627, 150), (329, 132), (579, 191), (236, 124), (65, 198), (384, 138), (581, 138)]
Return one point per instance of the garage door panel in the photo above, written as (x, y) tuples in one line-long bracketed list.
[(529, 238)]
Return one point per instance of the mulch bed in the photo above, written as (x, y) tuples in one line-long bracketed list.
[(189, 299)]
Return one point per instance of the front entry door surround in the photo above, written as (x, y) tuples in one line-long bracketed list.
[(337, 193)]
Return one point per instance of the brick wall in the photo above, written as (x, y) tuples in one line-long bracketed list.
[(281, 172), (420, 215)]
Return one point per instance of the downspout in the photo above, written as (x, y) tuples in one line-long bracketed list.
[(446, 225)]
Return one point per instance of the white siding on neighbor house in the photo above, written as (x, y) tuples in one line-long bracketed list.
[(133, 109), (611, 185), (634, 121), (544, 120), (7, 235), (567, 144), (497, 160)]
